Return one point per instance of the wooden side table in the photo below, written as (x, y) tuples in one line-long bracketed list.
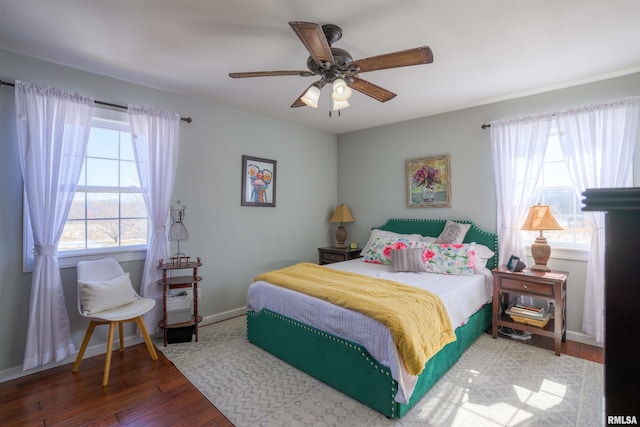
[(550, 285), (179, 282), (332, 254)]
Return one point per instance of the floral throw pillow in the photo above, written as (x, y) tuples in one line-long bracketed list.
[(445, 258), (379, 251)]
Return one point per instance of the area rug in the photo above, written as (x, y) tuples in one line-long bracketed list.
[(495, 383)]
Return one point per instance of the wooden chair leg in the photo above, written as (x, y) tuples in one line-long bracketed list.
[(147, 338), (121, 335), (107, 363), (83, 347)]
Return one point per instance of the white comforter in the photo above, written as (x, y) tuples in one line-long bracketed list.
[(461, 295)]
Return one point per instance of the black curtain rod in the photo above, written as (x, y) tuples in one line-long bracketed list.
[(485, 126), (108, 104)]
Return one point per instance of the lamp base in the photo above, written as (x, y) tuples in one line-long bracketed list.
[(540, 252), (341, 236), (540, 268)]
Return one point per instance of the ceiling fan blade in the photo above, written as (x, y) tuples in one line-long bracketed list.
[(298, 102), (315, 41), (374, 91), (403, 58), (270, 73)]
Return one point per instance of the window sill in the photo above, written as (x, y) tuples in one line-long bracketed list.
[(71, 261), (572, 254), (120, 256)]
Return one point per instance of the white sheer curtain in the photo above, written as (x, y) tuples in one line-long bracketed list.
[(155, 136), (517, 147), (53, 131), (598, 143)]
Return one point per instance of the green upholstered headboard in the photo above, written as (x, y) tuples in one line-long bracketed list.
[(433, 227)]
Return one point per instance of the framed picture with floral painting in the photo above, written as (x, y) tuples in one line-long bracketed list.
[(258, 182), (429, 182)]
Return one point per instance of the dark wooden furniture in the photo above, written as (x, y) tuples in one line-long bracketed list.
[(332, 254), (551, 285), (179, 282), (622, 291)]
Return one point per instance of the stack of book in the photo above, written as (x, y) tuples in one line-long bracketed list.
[(536, 316)]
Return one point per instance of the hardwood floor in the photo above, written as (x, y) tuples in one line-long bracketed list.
[(570, 348), (140, 393)]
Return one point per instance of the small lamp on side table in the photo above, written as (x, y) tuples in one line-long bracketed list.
[(342, 214), (540, 218)]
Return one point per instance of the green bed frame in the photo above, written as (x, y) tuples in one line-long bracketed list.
[(346, 365)]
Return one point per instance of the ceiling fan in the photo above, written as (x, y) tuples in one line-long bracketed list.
[(336, 66)]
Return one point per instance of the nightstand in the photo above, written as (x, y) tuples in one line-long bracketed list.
[(332, 254), (551, 285)]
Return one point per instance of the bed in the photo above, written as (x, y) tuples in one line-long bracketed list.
[(298, 328)]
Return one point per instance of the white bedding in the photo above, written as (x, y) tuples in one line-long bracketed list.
[(461, 295)]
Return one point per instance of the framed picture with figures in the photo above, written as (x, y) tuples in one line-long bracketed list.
[(258, 182)]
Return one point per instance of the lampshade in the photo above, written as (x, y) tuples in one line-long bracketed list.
[(339, 105), (341, 92), (311, 96), (342, 214), (540, 218)]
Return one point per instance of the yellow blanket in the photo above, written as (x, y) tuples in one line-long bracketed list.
[(418, 320)]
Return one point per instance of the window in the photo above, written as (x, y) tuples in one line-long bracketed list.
[(557, 190), (108, 214)]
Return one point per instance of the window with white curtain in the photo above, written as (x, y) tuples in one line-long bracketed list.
[(556, 189), (108, 214)]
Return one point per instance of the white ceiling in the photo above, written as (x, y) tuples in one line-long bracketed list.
[(484, 50)]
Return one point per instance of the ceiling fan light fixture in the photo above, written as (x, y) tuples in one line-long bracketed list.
[(339, 105), (340, 92), (311, 97)]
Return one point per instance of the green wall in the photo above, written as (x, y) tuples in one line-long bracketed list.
[(371, 167), (235, 243)]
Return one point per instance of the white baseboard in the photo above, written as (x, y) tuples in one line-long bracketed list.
[(219, 317), (583, 338), (94, 350)]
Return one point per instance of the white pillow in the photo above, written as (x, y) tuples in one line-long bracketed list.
[(453, 232), (105, 294), (483, 254)]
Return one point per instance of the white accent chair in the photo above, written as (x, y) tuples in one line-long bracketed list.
[(106, 297)]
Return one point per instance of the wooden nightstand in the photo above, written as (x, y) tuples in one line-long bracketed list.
[(550, 285), (332, 254)]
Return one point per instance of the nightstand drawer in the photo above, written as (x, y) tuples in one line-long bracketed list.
[(332, 254), (328, 257), (529, 287)]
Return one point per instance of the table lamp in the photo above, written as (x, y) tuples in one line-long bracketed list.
[(342, 214), (540, 218)]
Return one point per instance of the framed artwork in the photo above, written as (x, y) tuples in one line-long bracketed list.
[(258, 182), (429, 182)]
